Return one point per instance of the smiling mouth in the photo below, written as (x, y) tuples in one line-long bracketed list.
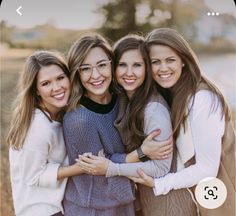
[(129, 81), (59, 96), (165, 76), (98, 83)]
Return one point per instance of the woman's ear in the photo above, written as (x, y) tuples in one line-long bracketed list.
[(38, 95)]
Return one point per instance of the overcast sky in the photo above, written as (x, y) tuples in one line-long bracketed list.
[(72, 14)]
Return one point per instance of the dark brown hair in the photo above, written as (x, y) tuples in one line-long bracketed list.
[(137, 103)]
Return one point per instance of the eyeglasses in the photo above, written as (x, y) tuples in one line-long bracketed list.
[(101, 68)]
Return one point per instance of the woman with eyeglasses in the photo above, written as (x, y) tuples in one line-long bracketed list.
[(141, 111), (88, 127)]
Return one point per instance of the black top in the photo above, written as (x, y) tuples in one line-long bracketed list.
[(96, 107)]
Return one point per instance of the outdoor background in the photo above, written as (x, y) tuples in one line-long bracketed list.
[(57, 24)]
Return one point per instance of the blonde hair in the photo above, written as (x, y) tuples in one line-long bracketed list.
[(27, 99), (76, 56)]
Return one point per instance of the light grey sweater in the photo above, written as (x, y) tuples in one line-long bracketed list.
[(156, 116)]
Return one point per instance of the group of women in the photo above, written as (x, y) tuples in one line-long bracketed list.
[(83, 129)]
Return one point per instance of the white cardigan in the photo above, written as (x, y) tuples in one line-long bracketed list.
[(206, 131), (33, 169)]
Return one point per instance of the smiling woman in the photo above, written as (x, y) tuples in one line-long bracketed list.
[(53, 89), (38, 160), (205, 139), (88, 127), (96, 79), (166, 66)]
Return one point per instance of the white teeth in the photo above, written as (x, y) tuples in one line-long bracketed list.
[(59, 96), (129, 81), (97, 83), (165, 75)]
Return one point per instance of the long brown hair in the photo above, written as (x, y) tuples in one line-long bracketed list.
[(77, 53), (190, 79), (137, 103), (27, 99)]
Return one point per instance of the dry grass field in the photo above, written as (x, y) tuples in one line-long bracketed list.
[(11, 64)]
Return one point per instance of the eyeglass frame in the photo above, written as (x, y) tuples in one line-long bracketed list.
[(93, 66)]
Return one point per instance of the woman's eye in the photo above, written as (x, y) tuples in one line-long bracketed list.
[(122, 65), (61, 77), (45, 84), (85, 69), (170, 60), (137, 65), (155, 62), (102, 65)]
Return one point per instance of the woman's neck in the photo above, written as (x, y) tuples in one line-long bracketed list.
[(101, 99), (55, 116), (129, 94)]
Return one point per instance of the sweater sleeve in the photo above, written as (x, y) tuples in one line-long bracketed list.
[(118, 157), (35, 168), (38, 172), (156, 117), (207, 126)]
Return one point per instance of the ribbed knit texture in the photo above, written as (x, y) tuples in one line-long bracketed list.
[(88, 131)]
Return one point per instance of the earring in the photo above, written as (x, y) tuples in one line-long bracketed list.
[(183, 65)]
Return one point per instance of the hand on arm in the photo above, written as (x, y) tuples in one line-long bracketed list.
[(155, 150), (143, 179), (95, 165)]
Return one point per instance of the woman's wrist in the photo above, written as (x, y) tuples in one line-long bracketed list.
[(132, 157), (67, 171)]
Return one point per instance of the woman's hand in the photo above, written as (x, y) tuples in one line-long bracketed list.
[(157, 150), (94, 165), (143, 179)]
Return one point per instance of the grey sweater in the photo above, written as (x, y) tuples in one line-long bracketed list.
[(156, 116), (87, 130)]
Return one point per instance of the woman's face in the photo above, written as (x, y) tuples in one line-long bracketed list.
[(95, 74), (130, 72), (166, 65), (53, 87)]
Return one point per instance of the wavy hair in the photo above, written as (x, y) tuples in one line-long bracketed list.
[(189, 81), (76, 55), (137, 103), (27, 99)]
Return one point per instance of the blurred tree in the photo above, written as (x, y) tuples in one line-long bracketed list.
[(119, 18), (123, 17), (6, 32)]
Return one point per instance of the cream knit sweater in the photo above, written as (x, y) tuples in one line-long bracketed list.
[(33, 169)]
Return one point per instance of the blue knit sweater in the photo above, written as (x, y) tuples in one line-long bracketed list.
[(87, 130)]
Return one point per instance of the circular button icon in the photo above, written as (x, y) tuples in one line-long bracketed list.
[(211, 193)]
